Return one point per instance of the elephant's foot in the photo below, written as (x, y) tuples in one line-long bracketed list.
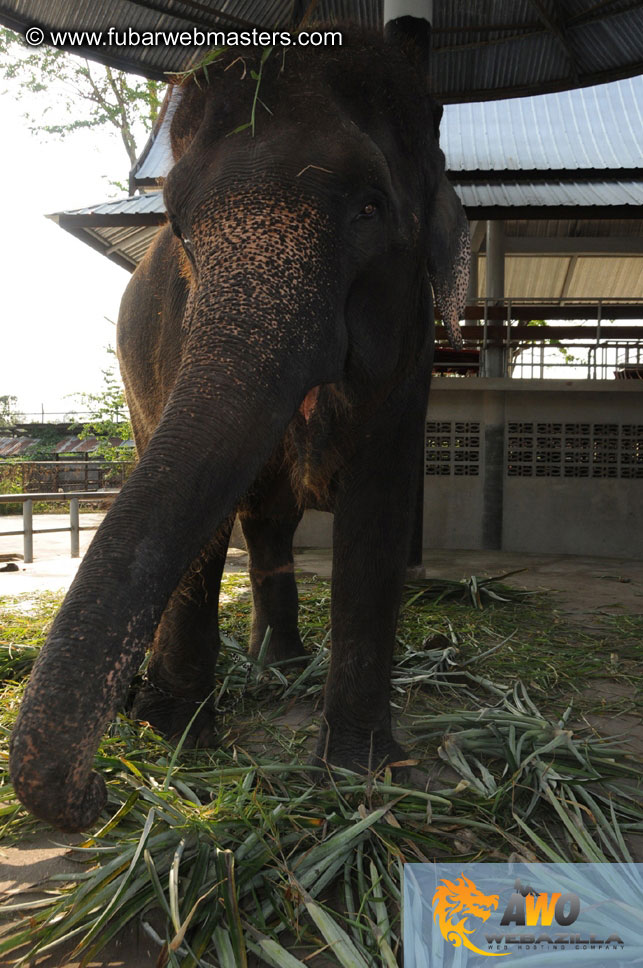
[(281, 647), (358, 750), (170, 715)]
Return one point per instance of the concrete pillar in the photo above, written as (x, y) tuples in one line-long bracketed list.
[(421, 10), (472, 291), (494, 357), (74, 527), (496, 259), (493, 406), (493, 418), (27, 527)]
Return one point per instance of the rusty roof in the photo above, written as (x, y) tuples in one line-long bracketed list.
[(21, 446), (16, 446)]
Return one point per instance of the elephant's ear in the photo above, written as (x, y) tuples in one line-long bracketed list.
[(449, 259), (186, 107)]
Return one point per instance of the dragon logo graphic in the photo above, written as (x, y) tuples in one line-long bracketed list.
[(463, 898)]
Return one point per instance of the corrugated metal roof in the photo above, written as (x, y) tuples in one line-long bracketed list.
[(16, 446), (122, 230), (19, 446), (549, 279), (149, 203), (553, 194), (155, 160), (481, 50), (574, 228), (595, 128), (521, 194)]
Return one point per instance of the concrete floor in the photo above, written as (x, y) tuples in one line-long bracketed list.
[(583, 586), (585, 583)]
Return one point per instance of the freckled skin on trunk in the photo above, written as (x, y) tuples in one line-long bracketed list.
[(276, 358)]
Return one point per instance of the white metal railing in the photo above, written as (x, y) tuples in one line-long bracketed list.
[(610, 359), (73, 497), (597, 358)]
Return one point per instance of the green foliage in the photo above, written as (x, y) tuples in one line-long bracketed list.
[(10, 483), (9, 416), (85, 94), (109, 415), (222, 854), (256, 76), (566, 355)]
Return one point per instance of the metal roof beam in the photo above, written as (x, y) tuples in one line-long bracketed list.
[(564, 292), (478, 235), (557, 28), (548, 213), (581, 246)]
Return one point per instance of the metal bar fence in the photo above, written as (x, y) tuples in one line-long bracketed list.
[(73, 498), (63, 474)]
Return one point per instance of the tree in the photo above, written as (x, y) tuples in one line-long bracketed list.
[(89, 95), (519, 348), (9, 416), (109, 416)]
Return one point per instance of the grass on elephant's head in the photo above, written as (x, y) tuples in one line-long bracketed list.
[(227, 853)]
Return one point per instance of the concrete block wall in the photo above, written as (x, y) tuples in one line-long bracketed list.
[(551, 466), (571, 478)]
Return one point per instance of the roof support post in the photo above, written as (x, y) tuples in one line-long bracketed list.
[(494, 357), (394, 10), (493, 405), (472, 291), (422, 9)]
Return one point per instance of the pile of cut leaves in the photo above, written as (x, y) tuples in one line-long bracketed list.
[(237, 857)]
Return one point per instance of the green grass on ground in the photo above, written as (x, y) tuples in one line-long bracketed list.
[(227, 853)]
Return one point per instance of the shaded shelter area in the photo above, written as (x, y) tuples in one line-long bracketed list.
[(546, 167), (555, 217)]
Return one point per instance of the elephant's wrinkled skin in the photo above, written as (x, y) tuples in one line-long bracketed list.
[(276, 345)]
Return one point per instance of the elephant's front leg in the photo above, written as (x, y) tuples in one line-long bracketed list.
[(371, 538), (180, 673)]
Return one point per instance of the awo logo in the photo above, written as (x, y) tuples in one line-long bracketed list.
[(457, 905), (528, 908), (462, 898), (525, 907)]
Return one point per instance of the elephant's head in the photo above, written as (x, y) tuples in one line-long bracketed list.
[(311, 214)]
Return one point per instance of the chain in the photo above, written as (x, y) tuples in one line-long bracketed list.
[(232, 704)]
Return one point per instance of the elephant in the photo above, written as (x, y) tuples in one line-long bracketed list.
[(276, 346)]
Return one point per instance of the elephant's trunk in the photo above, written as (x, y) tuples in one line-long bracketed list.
[(236, 391)]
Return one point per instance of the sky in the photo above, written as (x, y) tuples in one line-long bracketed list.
[(56, 291)]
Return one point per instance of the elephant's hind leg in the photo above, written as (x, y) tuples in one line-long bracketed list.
[(269, 536), (180, 673)]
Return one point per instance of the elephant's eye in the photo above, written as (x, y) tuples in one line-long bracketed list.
[(184, 240), (369, 210)]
